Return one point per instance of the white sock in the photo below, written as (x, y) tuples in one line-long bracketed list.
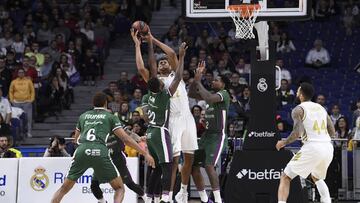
[(102, 200), (157, 200), (217, 196), (144, 197), (183, 188), (203, 196), (165, 197), (171, 194), (324, 191), (281, 202)]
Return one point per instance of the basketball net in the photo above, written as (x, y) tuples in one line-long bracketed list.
[(244, 17)]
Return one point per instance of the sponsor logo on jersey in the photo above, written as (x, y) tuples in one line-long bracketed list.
[(39, 181), (262, 86), (261, 134), (266, 174)]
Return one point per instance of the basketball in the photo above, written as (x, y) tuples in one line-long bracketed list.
[(141, 26)]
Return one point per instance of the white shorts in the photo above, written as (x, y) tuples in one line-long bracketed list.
[(313, 158), (183, 134)]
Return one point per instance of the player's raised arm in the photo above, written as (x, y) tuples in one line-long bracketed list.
[(139, 60), (173, 60), (298, 128), (119, 132), (209, 97), (193, 93), (179, 72), (330, 127), (151, 59)]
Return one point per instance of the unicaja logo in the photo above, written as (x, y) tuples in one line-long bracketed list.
[(262, 85), (267, 174), (261, 134)]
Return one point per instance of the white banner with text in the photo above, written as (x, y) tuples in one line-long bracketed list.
[(39, 178), (8, 179)]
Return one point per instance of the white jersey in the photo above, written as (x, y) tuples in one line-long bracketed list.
[(179, 102), (315, 123)]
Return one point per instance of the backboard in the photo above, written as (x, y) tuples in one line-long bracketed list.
[(271, 9)]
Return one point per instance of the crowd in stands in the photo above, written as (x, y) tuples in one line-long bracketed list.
[(47, 48)]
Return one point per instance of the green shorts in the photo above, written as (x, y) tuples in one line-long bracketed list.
[(159, 144), (211, 145), (94, 156)]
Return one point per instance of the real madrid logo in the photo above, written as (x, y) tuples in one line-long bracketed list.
[(39, 181), (262, 85)]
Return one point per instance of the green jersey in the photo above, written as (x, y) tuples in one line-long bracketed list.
[(158, 108), (96, 125), (216, 113)]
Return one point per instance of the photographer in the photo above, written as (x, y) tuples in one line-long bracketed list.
[(4, 148), (56, 148)]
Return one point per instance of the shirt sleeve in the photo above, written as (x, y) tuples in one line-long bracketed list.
[(221, 94), (116, 123)]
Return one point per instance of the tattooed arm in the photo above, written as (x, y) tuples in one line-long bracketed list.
[(298, 129)]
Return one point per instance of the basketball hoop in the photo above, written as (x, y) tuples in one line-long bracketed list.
[(244, 17)]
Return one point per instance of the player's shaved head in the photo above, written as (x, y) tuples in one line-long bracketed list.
[(154, 85), (307, 90), (99, 99)]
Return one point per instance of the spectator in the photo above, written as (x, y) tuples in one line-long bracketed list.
[(6, 41), (348, 20), (318, 56), (356, 113), (62, 30), (124, 84), (46, 68), (285, 74), (124, 113), (322, 10), (35, 52), (102, 37), (5, 77), (115, 105), (52, 50), (88, 31), (72, 145), (138, 82), (4, 148), (335, 113), (201, 124), (245, 99), (56, 148), (342, 130), (285, 45), (207, 81), (235, 84), (5, 108), (112, 88), (63, 81), (91, 68), (136, 101), (18, 45), (11, 62), (236, 109), (285, 95), (204, 40), (222, 69), (44, 35), (242, 67), (110, 7), (22, 95), (321, 99)]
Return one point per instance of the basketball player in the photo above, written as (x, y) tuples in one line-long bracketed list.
[(158, 137), (92, 131), (214, 140), (315, 127), (116, 149), (182, 126)]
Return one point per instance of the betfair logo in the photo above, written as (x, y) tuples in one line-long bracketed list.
[(267, 174), (261, 134)]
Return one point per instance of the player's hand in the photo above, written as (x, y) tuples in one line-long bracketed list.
[(148, 37), (134, 35), (149, 160), (182, 49), (142, 139), (280, 144), (199, 71)]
